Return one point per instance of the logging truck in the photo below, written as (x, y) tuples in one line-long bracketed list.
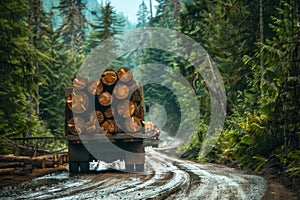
[(104, 131)]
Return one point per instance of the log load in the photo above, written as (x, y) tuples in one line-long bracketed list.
[(119, 87)]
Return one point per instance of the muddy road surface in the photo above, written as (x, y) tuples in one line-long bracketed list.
[(165, 177)]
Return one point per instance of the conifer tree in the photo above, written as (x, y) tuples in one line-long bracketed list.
[(74, 23), (107, 25), (18, 78), (142, 15)]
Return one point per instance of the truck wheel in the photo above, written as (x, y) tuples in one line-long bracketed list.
[(73, 167), (84, 167), (129, 167), (139, 167)]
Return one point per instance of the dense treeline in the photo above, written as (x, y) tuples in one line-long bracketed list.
[(38, 62), (255, 45)]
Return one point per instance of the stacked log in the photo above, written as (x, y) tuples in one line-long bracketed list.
[(22, 165), (151, 129), (119, 87)]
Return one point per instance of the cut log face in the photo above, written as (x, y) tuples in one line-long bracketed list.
[(125, 75), (78, 102), (108, 113), (121, 91), (126, 109), (105, 98), (109, 77), (96, 116), (91, 127), (95, 87), (109, 126), (79, 83), (133, 124), (76, 125)]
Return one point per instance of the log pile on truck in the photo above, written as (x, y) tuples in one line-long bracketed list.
[(129, 108), (109, 108)]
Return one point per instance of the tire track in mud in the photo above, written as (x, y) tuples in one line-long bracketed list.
[(165, 177)]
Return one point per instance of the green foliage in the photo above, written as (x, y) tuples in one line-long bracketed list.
[(107, 25), (142, 15), (74, 23), (19, 81)]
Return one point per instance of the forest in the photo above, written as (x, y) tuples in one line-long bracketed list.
[(255, 45)]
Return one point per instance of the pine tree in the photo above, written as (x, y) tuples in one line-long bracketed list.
[(142, 15), (167, 14), (108, 25), (18, 78), (74, 23)]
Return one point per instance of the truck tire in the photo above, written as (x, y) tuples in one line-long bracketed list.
[(73, 167), (129, 167), (139, 167), (84, 167)]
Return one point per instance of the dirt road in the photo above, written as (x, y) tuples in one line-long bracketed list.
[(165, 177)]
